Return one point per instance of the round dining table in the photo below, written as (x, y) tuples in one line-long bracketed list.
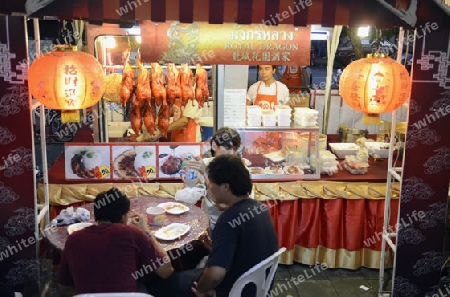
[(187, 250)]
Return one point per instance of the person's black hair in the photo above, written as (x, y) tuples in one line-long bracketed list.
[(6, 290), (111, 205), (226, 137), (274, 67), (229, 169)]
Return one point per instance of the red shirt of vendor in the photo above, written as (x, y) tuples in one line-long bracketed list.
[(267, 92)]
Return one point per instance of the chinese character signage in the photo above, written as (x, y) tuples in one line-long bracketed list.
[(225, 43)]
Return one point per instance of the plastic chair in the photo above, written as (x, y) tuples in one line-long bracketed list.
[(124, 294), (257, 275)]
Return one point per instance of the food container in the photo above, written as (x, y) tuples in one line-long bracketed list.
[(306, 123), (352, 170), (268, 115), (253, 110), (304, 139), (283, 111), (306, 117), (268, 123), (155, 215), (253, 122), (343, 149), (290, 140), (379, 148), (269, 118), (351, 135), (283, 123)]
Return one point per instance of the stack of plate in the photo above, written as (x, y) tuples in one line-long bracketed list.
[(254, 116), (305, 117), (269, 118), (283, 115)]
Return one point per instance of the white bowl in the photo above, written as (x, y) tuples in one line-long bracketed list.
[(342, 149)]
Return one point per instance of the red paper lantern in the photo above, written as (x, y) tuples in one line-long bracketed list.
[(66, 80), (375, 85)]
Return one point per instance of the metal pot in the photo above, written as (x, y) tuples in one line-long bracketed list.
[(351, 135)]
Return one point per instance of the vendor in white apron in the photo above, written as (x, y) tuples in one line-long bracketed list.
[(267, 92)]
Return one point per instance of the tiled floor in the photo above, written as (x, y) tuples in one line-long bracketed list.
[(305, 281)]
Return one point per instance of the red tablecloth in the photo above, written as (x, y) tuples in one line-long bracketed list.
[(188, 256)]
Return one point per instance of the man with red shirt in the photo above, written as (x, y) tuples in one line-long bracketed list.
[(106, 256)]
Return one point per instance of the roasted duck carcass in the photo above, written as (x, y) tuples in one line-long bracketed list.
[(163, 119), (143, 91), (141, 102), (173, 83), (201, 86), (158, 89), (187, 84), (149, 115), (127, 79)]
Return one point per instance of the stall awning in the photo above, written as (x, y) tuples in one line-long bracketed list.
[(377, 13)]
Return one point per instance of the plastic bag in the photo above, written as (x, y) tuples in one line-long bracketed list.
[(191, 195)]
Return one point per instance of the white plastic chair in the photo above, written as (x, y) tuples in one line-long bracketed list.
[(124, 294), (257, 276)]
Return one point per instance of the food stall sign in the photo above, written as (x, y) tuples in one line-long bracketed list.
[(227, 43)]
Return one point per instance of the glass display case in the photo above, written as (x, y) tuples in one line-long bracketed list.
[(281, 153)]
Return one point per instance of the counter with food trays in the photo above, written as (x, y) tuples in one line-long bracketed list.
[(329, 219)]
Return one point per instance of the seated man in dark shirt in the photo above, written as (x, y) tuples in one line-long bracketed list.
[(244, 235), (107, 256)]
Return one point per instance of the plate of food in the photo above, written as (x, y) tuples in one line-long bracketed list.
[(174, 207), (87, 162), (134, 161), (77, 227), (124, 164), (171, 164), (292, 169), (172, 231), (273, 170), (256, 170)]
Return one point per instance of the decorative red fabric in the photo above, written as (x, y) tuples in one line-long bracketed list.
[(337, 224)]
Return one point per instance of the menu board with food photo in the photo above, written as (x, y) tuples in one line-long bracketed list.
[(134, 161), (87, 161), (173, 158)]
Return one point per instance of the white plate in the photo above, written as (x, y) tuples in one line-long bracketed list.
[(172, 231), (77, 227), (174, 208)]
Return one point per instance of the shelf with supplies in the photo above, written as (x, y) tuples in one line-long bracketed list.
[(281, 153)]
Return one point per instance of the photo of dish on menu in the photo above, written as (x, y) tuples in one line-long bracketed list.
[(173, 158), (87, 162), (130, 162)]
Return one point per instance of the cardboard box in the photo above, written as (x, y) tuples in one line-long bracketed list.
[(299, 100)]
